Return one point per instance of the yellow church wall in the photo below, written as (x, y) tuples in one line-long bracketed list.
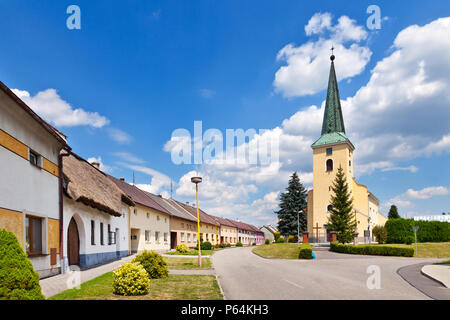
[(342, 155), (310, 212)]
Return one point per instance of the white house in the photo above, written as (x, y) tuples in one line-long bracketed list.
[(96, 214), (149, 222), (29, 181)]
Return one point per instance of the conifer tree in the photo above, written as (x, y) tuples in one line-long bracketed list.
[(341, 219), (292, 202), (393, 212)]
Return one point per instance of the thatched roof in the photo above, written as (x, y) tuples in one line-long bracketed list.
[(88, 185)]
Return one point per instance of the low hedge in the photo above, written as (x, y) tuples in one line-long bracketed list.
[(374, 250), (238, 244), (400, 231), (305, 251)]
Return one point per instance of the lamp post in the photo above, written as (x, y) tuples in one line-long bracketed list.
[(198, 180)]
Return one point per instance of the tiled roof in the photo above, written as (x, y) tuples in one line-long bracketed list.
[(204, 217), (138, 196), (223, 221), (174, 210), (331, 138)]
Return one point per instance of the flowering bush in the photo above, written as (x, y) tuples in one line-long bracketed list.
[(182, 248), (131, 279), (153, 263)]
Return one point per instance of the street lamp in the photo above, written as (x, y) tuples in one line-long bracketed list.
[(198, 180)]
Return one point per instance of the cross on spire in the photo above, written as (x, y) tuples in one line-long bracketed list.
[(332, 53)]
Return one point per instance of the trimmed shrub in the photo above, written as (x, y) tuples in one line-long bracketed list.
[(276, 235), (239, 244), (380, 234), (400, 231), (182, 248), (131, 279), (254, 244), (305, 251), (228, 245), (206, 246), (153, 263), (280, 240), (267, 241), (374, 250), (293, 239), (18, 280)]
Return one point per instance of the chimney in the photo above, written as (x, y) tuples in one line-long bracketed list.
[(122, 179), (187, 203), (95, 164), (160, 196)]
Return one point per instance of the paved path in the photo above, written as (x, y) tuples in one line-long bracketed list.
[(438, 272), (244, 275), (414, 276)]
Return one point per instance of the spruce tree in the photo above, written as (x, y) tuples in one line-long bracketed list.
[(292, 202), (393, 212), (341, 219)]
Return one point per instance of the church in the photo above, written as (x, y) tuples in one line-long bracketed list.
[(331, 150)]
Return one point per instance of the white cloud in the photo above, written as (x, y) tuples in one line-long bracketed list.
[(159, 182), (126, 156), (412, 169), (51, 107), (103, 167), (119, 136), (307, 66), (406, 199)]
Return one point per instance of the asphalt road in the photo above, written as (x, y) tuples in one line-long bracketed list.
[(332, 276)]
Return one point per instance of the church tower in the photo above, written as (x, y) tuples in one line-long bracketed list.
[(332, 150)]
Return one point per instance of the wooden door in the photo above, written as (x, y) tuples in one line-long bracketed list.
[(73, 243), (173, 240)]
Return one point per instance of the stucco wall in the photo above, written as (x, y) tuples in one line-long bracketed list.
[(188, 228), (94, 254), (148, 219)]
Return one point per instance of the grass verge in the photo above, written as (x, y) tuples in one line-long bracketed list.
[(192, 253), (174, 287), (278, 251), (187, 263), (428, 249)]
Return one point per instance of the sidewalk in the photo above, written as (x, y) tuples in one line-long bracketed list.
[(438, 272)]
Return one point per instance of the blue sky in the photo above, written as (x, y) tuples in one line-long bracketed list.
[(141, 69)]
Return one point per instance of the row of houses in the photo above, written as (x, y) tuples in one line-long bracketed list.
[(65, 211)]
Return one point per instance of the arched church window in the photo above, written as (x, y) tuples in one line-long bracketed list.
[(329, 165), (329, 207)]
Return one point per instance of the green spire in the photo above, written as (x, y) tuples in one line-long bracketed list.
[(333, 130), (332, 118)]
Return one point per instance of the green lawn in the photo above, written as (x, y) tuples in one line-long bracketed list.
[(187, 263), (175, 287), (428, 249), (193, 253), (278, 250)]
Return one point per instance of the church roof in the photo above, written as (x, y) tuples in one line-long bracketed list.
[(333, 129)]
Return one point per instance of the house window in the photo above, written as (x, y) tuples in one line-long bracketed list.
[(194, 237), (188, 237), (135, 212), (329, 151), (182, 236), (147, 235), (111, 236), (92, 232), (33, 227), (329, 165), (148, 215), (35, 158), (165, 220), (157, 237), (157, 218), (101, 234), (165, 236)]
